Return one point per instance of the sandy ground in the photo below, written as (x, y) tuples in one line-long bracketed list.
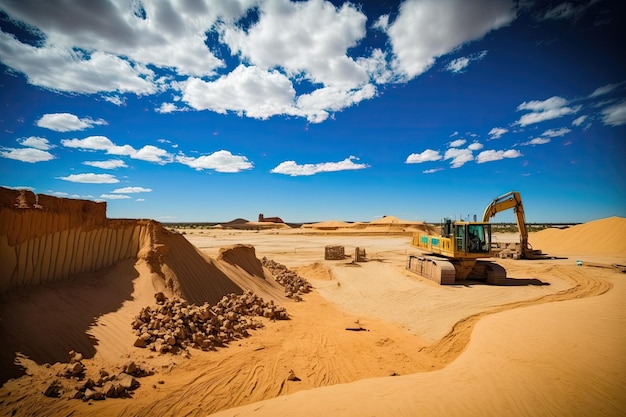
[(551, 342)]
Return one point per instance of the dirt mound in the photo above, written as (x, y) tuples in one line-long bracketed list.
[(237, 221), (389, 220), (604, 236), (244, 256), (329, 225), (316, 270)]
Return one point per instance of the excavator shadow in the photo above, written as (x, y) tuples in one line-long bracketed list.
[(506, 282)]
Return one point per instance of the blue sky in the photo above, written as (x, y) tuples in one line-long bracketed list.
[(316, 110)]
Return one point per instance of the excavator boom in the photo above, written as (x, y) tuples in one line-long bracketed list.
[(513, 200)]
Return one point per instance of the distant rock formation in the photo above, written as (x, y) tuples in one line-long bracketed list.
[(263, 219)]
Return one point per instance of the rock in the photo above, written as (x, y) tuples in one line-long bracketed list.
[(76, 369), (53, 390), (89, 384), (131, 368), (292, 376), (128, 382), (140, 343), (109, 390), (88, 394)]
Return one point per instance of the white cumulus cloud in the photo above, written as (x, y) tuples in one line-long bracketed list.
[(458, 156), (548, 109), (497, 132), (220, 161), (427, 29), (457, 143), (36, 142), (131, 190), (109, 164), (147, 153), (292, 168), (30, 155), (428, 155), (67, 122), (91, 178), (493, 155), (114, 196), (537, 141), (246, 90)]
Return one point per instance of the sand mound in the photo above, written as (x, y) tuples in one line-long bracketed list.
[(330, 225), (390, 220), (605, 236), (316, 270), (243, 256), (189, 273), (387, 224), (235, 222)]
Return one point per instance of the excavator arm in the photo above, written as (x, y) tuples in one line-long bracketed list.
[(506, 201)]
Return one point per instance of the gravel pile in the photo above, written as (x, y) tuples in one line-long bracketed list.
[(118, 384), (295, 285), (174, 325)]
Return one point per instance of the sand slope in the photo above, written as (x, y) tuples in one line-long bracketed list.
[(606, 236)]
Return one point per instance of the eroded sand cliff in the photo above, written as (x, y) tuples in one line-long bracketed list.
[(45, 239)]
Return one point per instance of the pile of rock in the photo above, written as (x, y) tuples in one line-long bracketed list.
[(119, 385), (294, 284), (174, 324)]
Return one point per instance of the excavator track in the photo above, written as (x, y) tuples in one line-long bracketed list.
[(491, 272), (433, 268), (443, 271)]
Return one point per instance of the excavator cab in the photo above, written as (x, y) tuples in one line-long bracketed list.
[(468, 237), (477, 237)]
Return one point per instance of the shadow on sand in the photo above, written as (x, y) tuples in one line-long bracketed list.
[(45, 323), (507, 282)]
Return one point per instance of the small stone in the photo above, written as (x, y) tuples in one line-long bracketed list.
[(292, 376), (53, 390), (109, 390), (127, 381), (131, 368), (140, 343), (76, 369)]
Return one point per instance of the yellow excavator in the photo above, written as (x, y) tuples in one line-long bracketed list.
[(456, 253)]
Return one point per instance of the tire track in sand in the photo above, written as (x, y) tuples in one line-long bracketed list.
[(451, 345)]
